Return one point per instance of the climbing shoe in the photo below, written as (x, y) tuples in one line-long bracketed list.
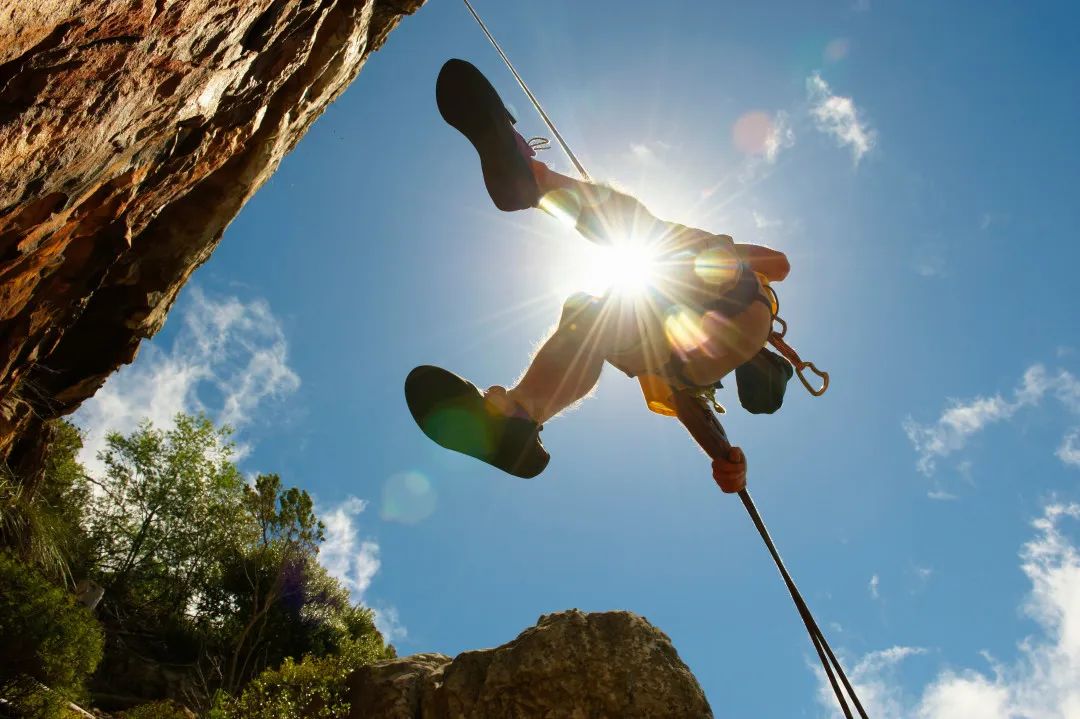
[(453, 412), (469, 103)]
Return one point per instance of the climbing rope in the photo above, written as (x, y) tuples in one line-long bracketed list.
[(699, 419), (532, 98), (825, 653)]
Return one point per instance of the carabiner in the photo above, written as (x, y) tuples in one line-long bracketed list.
[(806, 383)]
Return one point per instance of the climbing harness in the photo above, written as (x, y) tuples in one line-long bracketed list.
[(694, 408)]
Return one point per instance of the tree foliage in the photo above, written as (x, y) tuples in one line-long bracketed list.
[(42, 524), (201, 569), (168, 507), (315, 687), (45, 637)]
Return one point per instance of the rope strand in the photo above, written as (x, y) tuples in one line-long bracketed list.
[(536, 103), (820, 643)]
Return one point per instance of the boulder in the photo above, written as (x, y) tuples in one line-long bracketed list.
[(571, 665)]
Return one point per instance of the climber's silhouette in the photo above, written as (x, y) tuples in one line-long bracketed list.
[(711, 312), (707, 314)]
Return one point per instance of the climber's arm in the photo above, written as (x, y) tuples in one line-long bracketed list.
[(767, 261), (728, 463)]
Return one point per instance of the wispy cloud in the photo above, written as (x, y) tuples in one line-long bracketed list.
[(762, 222), (873, 677), (389, 623), (228, 358), (930, 260), (642, 152), (873, 586), (651, 151), (355, 561), (1069, 451), (780, 136), (963, 419), (1040, 683), (838, 116)]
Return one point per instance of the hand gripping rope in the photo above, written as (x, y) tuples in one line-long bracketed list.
[(696, 415)]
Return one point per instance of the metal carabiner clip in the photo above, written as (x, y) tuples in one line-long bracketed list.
[(806, 383)]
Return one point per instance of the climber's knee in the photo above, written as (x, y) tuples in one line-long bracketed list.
[(580, 314), (610, 216)]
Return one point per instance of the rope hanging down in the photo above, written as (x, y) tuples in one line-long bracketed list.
[(532, 98), (706, 430)]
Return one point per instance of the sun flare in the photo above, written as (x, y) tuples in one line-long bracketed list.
[(627, 268)]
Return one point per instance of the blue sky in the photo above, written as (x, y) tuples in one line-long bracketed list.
[(917, 162)]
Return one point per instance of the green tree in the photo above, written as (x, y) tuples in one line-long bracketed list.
[(169, 506), (208, 570)]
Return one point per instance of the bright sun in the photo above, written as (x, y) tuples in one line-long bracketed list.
[(627, 268)]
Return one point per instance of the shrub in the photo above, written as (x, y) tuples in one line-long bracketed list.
[(156, 710), (313, 688), (45, 636)]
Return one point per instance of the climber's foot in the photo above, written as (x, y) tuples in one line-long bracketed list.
[(469, 103), (456, 415)]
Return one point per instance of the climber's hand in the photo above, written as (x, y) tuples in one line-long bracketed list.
[(730, 472)]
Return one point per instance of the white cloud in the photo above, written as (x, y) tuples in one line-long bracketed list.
[(838, 116), (875, 582), (1069, 451), (345, 556), (1042, 682), (930, 261), (651, 151), (642, 152), (957, 424), (874, 683), (389, 624), (227, 359), (354, 561), (762, 222), (780, 136)]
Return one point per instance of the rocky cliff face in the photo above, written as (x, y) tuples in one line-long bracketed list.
[(571, 665), (131, 133)]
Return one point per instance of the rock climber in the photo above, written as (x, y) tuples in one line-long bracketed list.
[(706, 313)]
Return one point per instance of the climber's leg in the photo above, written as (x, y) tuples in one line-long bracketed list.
[(515, 181), (469, 103), (567, 365), (598, 212)]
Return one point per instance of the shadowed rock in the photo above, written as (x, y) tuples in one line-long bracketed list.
[(571, 665), (131, 133)]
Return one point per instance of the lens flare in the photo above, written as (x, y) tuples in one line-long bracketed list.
[(684, 329), (407, 497), (716, 267), (751, 133)]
